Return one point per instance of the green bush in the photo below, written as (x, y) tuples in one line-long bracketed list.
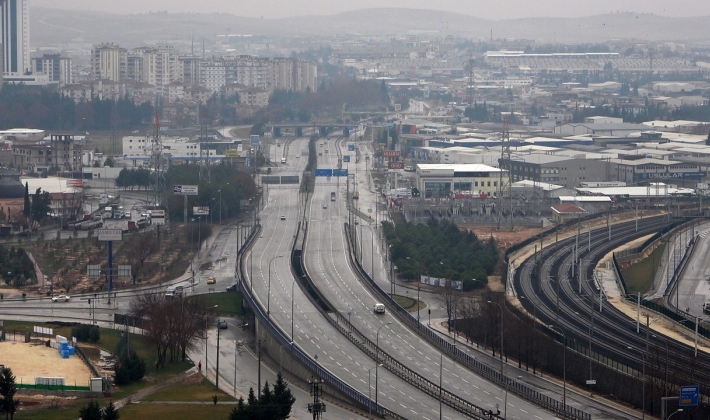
[(86, 333)]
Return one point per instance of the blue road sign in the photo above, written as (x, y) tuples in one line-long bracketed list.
[(324, 172), (346, 158), (689, 395), (255, 140), (351, 147), (340, 172)]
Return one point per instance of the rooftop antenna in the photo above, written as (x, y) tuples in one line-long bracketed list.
[(192, 47)]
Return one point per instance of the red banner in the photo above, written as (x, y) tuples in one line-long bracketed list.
[(395, 165), (390, 153)]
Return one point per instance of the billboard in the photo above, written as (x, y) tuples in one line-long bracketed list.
[(340, 172), (254, 139), (391, 153), (185, 189), (200, 211), (351, 147), (395, 165), (439, 282), (157, 217), (346, 158), (231, 153), (110, 234)]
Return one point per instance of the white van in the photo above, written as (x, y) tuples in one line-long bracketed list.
[(378, 308), (283, 160)]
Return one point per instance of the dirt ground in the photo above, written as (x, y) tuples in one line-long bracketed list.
[(34, 359), (505, 238)]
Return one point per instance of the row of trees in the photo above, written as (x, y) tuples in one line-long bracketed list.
[(37, 206), (92, 411), (273, 404), (225, 192), (333, 96), (440, 249), (128, 179), (172, 325), (33, 106)]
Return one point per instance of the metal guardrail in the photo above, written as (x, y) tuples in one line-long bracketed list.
[(303, 358), (518, 388)]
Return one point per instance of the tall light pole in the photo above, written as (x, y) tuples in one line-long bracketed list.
[(220, 205), (643, 381), (377, 357), (501, 334), (293, 284), (268, 295), (665, 385), (369, 388), (564, 366), (698, 320), (680, 410), (234, 385), (441, 383), (216, 371)]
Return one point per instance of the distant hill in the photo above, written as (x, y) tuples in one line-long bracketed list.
[(56, 26)]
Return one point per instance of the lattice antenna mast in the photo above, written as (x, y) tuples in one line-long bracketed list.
[(157, 167), (204, 149), (470, 81)]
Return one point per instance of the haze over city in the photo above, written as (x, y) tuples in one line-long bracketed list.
[(484, 9)]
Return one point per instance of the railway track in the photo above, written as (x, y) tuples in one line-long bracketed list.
[(555, 299)]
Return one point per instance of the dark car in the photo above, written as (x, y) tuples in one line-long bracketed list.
[(232, 287), (222, 324)]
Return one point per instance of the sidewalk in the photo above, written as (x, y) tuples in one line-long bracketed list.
[(154, 388)]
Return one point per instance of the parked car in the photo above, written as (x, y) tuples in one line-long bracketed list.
[(211, 280), (61, 298), (222, 324)]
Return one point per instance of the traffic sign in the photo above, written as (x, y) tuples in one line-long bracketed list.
[(185, 189), (340, 172), (346, 158), (351, 147), (591, 381), (324, 172), (255, 140), (689, 395)]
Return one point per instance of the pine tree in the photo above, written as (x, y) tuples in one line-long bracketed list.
[(8, 403), (91, 411), (283, 398), (240, 411), (266, 403), (110, 412)]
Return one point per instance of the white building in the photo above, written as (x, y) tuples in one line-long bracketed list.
[(57, 68), (475, 179), (137, 150), (108, 61)]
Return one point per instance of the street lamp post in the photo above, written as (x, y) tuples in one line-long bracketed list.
[(369, 388), (680, 410), (501, 334), (293, 284), (377, 357), (643, 381), (216, 371), (220, 205), (698, 320), (268, 295), (665, 385), (564, 366)]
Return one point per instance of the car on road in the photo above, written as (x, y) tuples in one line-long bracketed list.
[(222, 324), (325, 206), (233, 287), (283, 217), (378, 308), (211, 280), (61, 298)]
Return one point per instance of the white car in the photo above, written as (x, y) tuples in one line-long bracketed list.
[(61, 298)]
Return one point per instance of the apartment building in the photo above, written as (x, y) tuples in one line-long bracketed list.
[(109, 61)]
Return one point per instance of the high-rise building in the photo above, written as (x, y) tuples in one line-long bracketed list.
[(160, 67), (57, 68), (108, 61), (15, 39)]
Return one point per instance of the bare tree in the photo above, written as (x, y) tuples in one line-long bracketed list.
[(451, 300), (172, 324)]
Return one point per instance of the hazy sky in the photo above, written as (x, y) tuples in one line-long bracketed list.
[(500, 9)]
